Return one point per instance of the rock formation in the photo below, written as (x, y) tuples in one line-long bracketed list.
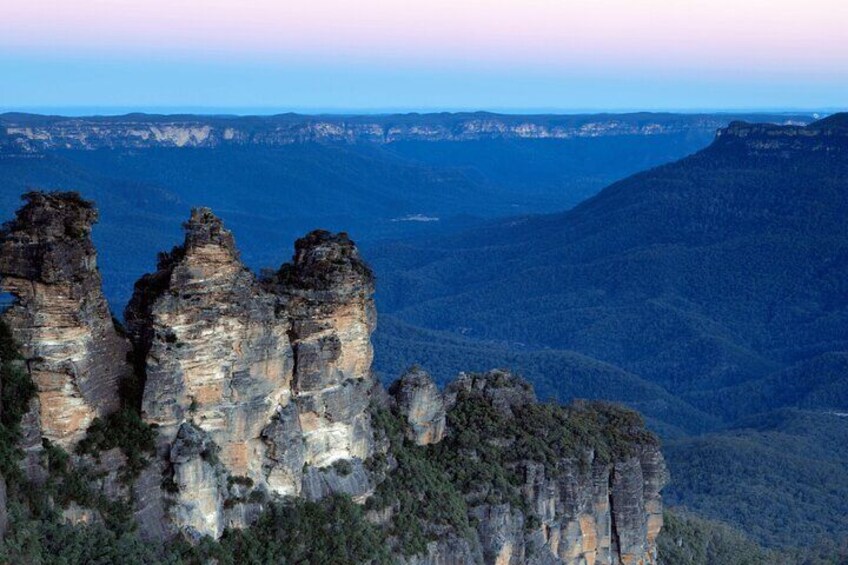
[(327, 291), (263, 388), (421, 403), (60, 318), (592, 509), (218, 367), (254, 382), (216, 352), (28, 134)]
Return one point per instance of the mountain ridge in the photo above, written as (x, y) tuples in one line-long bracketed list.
[(33, 133)]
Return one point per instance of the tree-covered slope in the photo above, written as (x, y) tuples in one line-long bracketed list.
[(710, 293), (721, 268), (779, 477)]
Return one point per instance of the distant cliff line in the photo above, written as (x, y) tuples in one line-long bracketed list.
[(33, 133)]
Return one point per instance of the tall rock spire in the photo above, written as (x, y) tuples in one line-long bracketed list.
[(60, 318), (218, 368), (328, 292)]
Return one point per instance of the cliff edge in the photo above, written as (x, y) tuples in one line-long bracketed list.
[(229, 398)]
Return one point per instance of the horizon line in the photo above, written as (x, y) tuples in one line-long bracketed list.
[(77, 111)]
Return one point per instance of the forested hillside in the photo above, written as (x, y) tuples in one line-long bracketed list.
[(710, 293)]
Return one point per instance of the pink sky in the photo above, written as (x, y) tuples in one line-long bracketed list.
[(768, 36)]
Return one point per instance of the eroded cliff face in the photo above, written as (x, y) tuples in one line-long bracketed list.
[(588, 505), (263, 388), (60, 318), (31, 134), (218, 367), (264, 385), (824, 138), (327, 291)]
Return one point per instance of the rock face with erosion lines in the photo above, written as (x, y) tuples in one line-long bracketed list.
[(258, 389)]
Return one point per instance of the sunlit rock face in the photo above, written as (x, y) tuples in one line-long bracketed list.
[(60, 318), (217, 354), (420, 402), (327, 290), (274, 376)]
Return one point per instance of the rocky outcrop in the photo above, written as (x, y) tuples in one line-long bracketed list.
[(327, 291), (825, 137), (216, 351), (421, 404), (597, 508), (275, 377), (263, 388), (74, 354), (218, 366)]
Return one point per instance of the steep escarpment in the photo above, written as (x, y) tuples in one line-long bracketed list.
[(248, 411), (768, 140), (32, 133), (60, 318), (524, 482)]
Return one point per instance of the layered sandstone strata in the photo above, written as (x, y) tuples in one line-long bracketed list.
[(265, 385), (60, 318), (327, 290)]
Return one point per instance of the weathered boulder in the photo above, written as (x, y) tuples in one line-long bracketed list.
[(420, 402), (74, 353)]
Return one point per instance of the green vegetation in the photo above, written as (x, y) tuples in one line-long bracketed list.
[(706, 293), (419, 493), (123, 429), (429, 489), (779, 477), (46, 542), (17, 391), (343, 467), (687, 539), (332, 531), (78, 482), (483, 459)]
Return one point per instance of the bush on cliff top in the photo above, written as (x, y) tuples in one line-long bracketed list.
[(484, 454)]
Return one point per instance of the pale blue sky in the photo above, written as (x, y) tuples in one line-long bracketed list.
[(378, 55)]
